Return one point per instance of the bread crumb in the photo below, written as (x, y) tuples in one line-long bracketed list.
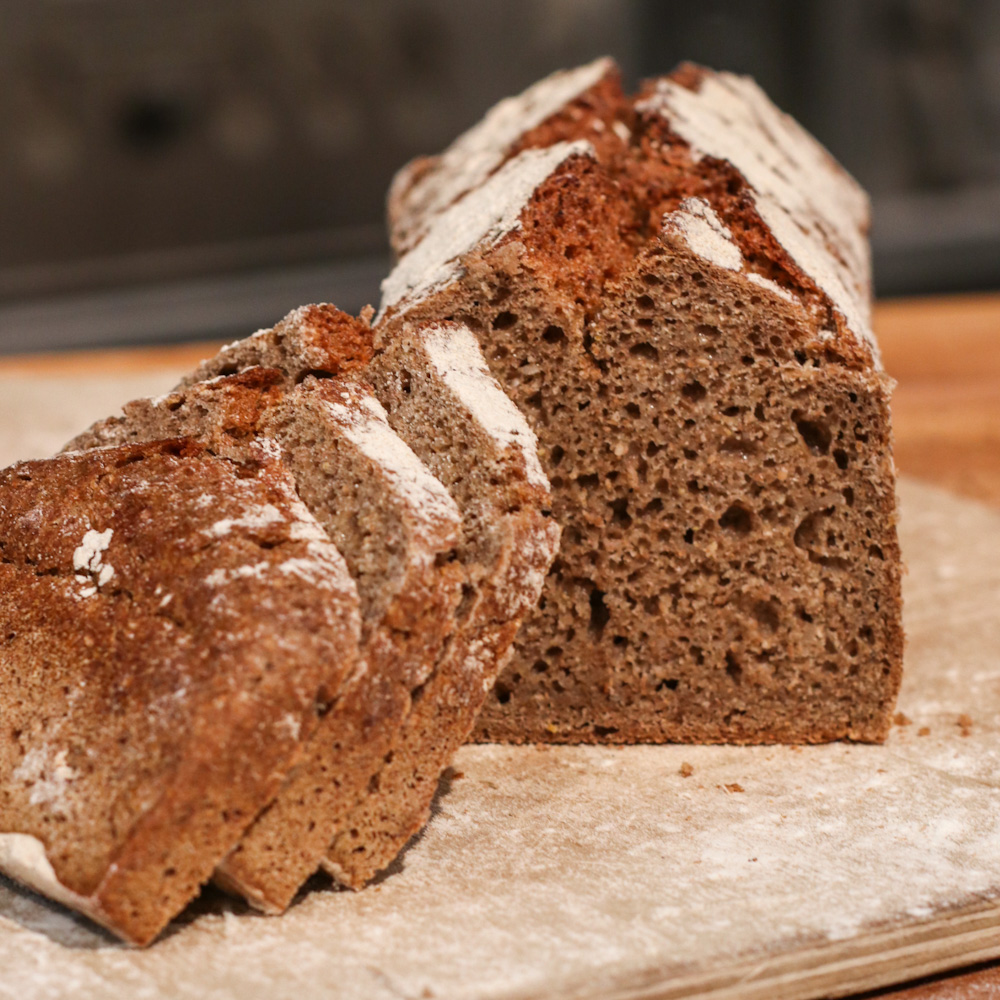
[(734, 787), (965, 724), (924, 731), (901, 719), (685, 770)]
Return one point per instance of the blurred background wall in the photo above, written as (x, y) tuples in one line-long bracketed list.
[(192, 169)]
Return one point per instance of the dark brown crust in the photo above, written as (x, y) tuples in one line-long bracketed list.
[(591, 116), (400, 642), (178, 710)]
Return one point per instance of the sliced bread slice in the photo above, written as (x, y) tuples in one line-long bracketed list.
[(439, 397), (439, 394), (397, 528), (151, 709)]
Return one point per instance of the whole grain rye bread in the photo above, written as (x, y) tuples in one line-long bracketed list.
[(397, 528), (439, 394), (150, 708), (682, 312), (440, 398)]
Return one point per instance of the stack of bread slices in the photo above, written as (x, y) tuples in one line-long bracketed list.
[(246, 625)]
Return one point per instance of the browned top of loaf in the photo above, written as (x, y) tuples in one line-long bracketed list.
[(796, 218), (139, 589)]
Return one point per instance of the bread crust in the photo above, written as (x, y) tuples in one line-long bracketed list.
[(150, 709), (392, 520)]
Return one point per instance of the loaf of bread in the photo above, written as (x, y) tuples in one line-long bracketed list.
[(288, 587), (151, 708), (674, 288)]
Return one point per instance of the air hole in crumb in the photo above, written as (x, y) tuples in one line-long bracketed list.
[(849, 496), (605, 730), (768, 614), (737, 519), (632, 409), (599, 613), (694, 391), (174, 405), (733, 667), (758, 411), (554, 335), (504, 320), (689, 536), (653, 507), (815, 433), (502, 692), (621, 514), (534, 400), (669, 684), (807, 533), (619, 640), (747, 359), (645, 303), (738, 446), (732, 411), (556, 455), (875, 551), (228, 370), (704, 330), (644, 350), (589, 481), (540, 667), (840, 457)]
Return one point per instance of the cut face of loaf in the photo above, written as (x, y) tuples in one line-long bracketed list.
[(711, 410), (439, 397), (397, 528), (150, 708)]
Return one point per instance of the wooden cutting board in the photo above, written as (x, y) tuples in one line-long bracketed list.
[(770, 872)]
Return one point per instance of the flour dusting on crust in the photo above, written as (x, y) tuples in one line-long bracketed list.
[(365, 424), (454, 352), (481, 218), (471, 158), (813, 208), (706, 235)]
